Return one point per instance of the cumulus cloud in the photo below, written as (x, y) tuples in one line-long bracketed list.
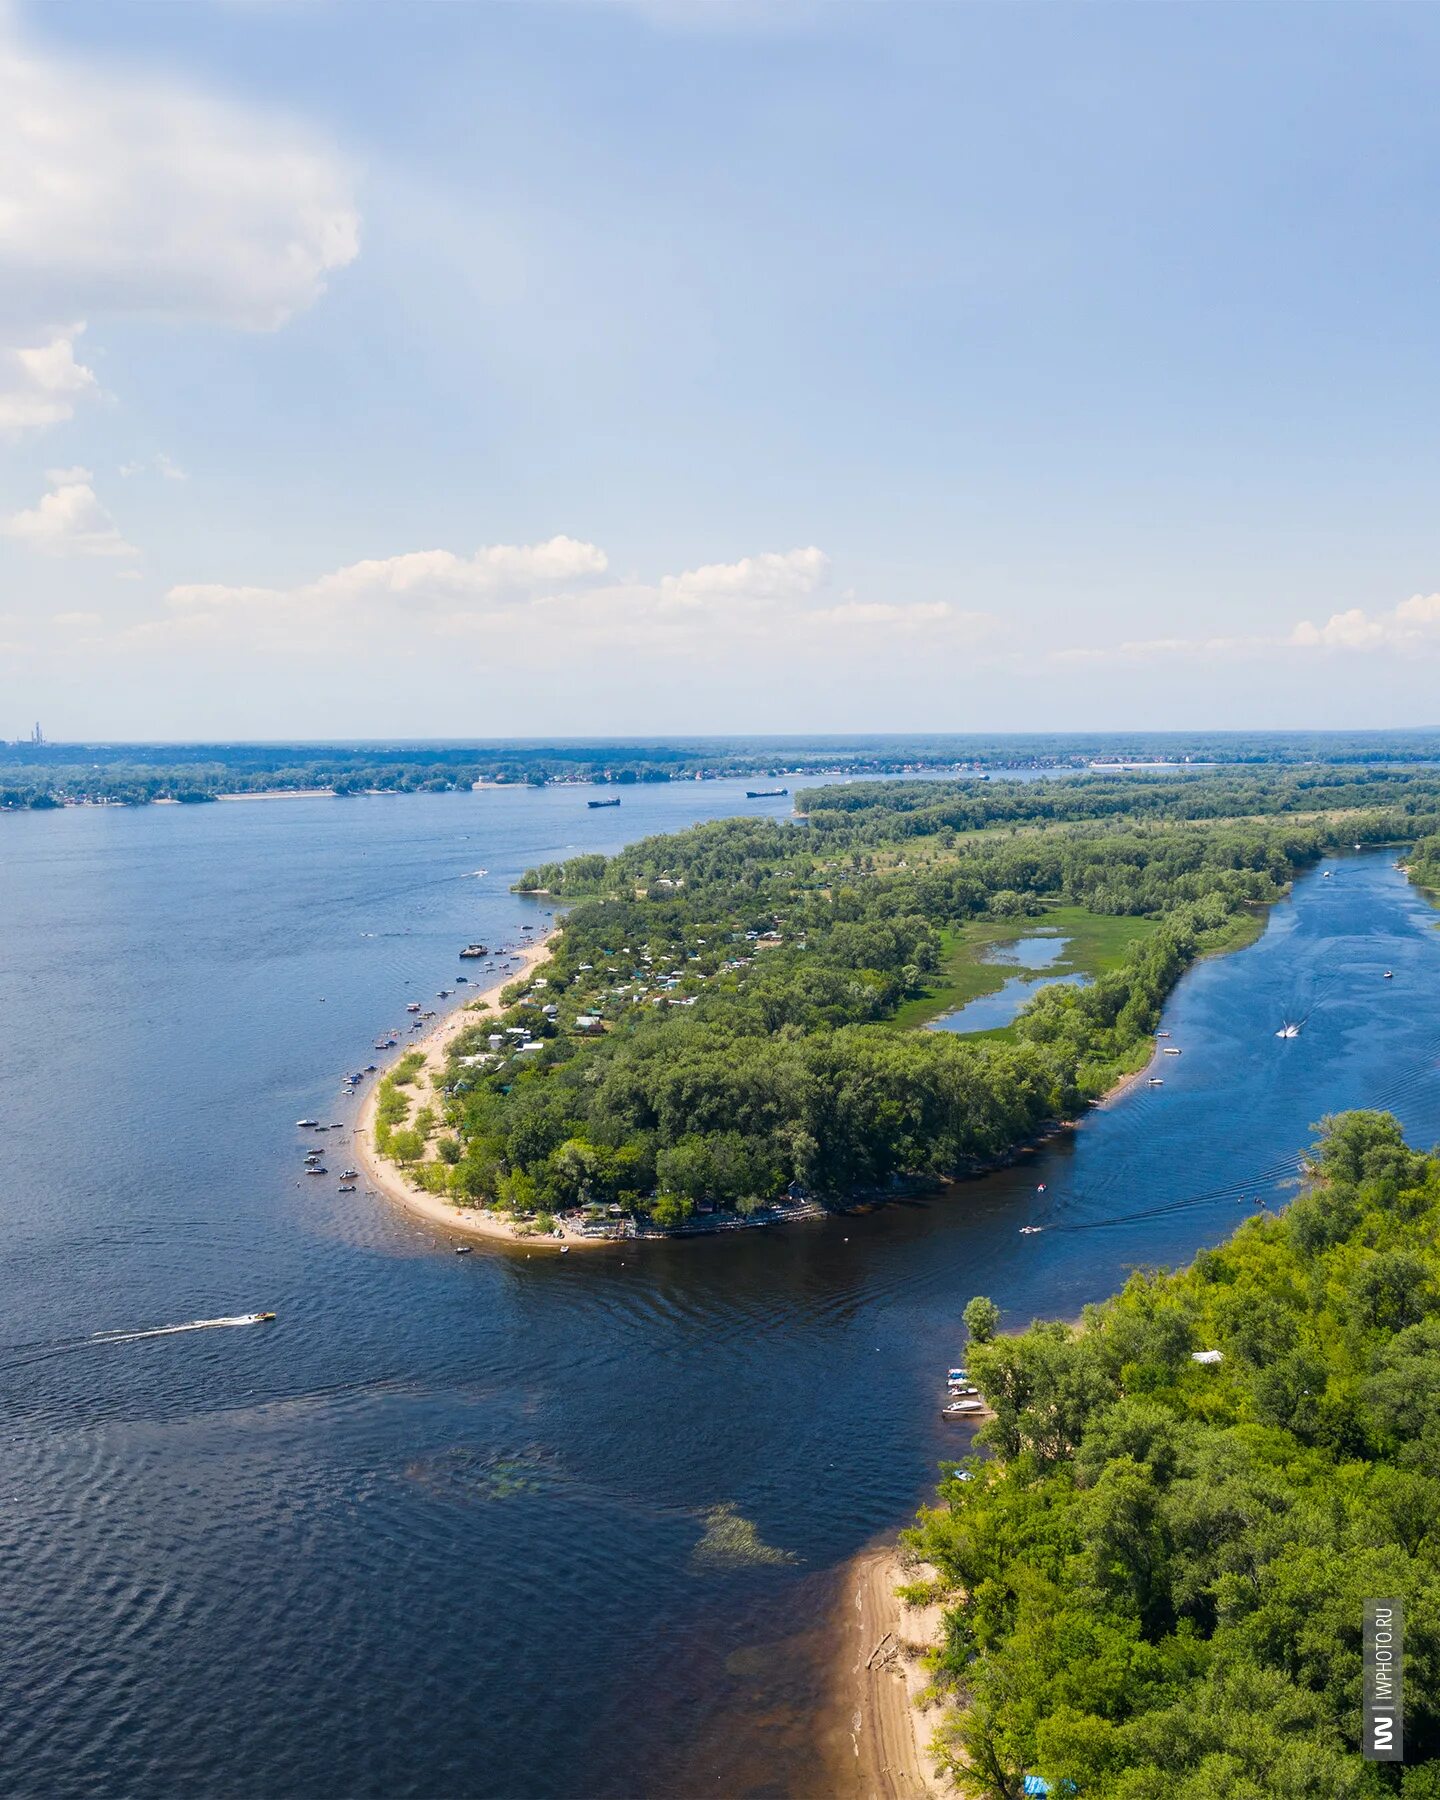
[(122, 193), (549, 598), (68, 521), (1412, 625), (40, 383)]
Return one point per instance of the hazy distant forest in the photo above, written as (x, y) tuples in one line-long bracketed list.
[(39, 775)]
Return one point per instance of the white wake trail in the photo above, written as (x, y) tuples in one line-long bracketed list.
[(129, 1337)]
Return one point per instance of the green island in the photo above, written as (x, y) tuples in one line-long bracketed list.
[(726, 1030), (1153, 1571)]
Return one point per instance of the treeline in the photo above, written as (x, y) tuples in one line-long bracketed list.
[(922, 809), (37, 775), (1155, 1576), (714, 1026)]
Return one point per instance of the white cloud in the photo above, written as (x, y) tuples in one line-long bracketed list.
[(68, 521), (547, 599), (133, 194), (1412, 625), (415, 587), (41, 383), (778, 577), (160, 464)]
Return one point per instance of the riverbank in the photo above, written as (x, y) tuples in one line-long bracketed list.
[(391, 1181), (879, 1678)]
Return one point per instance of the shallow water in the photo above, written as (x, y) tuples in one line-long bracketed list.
[(987, 1012), (436, 1530)]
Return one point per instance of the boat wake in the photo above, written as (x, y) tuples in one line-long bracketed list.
[(44, 1352), (130, 1337)]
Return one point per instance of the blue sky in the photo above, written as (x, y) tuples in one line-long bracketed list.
[(470, 369)]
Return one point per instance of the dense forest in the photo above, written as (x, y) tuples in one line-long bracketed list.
[(40, 775), (1154, 1569), (715, 1029)]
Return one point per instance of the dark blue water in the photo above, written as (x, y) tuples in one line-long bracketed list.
[(435, 1531)]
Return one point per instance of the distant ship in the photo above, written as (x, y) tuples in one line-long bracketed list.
[(594, 803), (766, 793)]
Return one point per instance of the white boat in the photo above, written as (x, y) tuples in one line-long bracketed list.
[(961, 1409), (1030, 1230), (1156, 1081), (1288, 1031), (1170, 1052), (307, 1124), (957, 1374)]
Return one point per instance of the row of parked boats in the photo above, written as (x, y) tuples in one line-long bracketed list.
[(962, 1396)]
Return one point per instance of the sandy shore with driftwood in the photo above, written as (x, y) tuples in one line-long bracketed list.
[(880, 1676)]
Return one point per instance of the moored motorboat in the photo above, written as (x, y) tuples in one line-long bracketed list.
[(961, 1409)]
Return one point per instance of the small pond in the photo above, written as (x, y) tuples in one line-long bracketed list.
[(1034, 955)]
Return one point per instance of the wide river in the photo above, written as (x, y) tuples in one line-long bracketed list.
[(446, 1528)]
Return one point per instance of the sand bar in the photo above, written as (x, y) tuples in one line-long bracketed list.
[(879, 1676), (391, 1181)]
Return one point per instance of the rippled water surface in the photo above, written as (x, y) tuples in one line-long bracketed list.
[(459, 1526)]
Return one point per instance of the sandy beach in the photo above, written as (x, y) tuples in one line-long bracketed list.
[(391, 1181), (879, 1676)]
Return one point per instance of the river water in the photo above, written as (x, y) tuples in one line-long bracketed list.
[(447, 1527)]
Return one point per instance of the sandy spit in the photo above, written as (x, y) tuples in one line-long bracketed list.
[(391, 1181)]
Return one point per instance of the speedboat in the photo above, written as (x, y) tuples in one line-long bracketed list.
[(260, 1319), (1030, 1230), (349, 1174), (961, 1409), (1389, 974), (957, 1374), (307, 1124), (346, 1187)]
